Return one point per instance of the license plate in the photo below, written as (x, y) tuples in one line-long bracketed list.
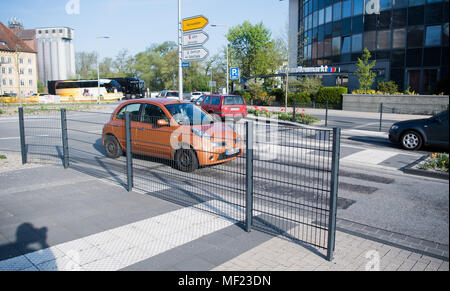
[(234, 109), (231, 152)]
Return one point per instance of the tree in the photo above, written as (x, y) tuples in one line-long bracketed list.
[(253, 50), (365, 76), (86, 65)]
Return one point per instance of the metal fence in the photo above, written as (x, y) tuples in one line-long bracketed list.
[(278, 179)]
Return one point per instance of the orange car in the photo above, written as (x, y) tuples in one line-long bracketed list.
[(175, 130)]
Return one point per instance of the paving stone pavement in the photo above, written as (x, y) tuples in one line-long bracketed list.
[(352, 254)]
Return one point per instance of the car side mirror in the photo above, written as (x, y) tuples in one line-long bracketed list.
[(162, 122)]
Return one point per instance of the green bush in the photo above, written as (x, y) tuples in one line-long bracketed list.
[(332, 94), (387, 87), (279, 95), (300, 99)]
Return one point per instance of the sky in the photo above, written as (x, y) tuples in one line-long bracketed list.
[(136, 24)]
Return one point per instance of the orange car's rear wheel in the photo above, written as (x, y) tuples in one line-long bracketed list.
[(186, 160)]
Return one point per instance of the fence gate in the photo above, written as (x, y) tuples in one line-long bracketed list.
[(295, 182)]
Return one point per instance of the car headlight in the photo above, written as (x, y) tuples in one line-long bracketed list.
[(394, 127), (201, 133)]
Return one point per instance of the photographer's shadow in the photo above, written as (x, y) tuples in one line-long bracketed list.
[(30, 241)]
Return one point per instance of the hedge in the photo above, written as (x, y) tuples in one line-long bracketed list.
[(332, 94)]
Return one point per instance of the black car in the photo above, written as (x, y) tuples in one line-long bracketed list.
[(413, 134)]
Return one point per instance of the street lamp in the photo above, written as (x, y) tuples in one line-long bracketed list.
[(228, 66), (98, 70)]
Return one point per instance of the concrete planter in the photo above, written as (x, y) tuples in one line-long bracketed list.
[(400, 104)]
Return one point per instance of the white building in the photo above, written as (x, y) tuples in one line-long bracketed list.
[(56, 54)]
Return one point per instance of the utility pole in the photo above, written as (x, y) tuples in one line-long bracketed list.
[(180, 53)]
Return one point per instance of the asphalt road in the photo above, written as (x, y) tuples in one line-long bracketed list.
[(375, 194)]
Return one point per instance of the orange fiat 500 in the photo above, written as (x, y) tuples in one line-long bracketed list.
[(174, 130)]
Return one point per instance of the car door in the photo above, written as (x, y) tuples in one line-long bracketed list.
[(153, 139), (205, 104), (215, 106), (118, 123), (437, 129)]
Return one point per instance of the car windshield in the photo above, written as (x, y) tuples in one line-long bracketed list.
[(233, 100), (188, 114)]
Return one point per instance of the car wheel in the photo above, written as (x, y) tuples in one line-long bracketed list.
[(186, 160), (411, 140), (112, 147)]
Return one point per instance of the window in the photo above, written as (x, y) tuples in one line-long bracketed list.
[(11, 82), (433, 35), (346, 26), (398, 58), (347, 8), (357, 24), (327, 51), (385, 4), (415, 36), (370, 22), (315, 18), (30, 82), (414, 57), (3, 70), (20, 60), (2, 60), (356, 43), (22, 83), (384, 40), (400, 3), (399, 18), (328, 14), (207, 100), (416, 2), (370, 40), (399, 38), (384, 20), (336, 11), (358, 6), (336, 46), (30, 71), (21, 71), (415, 15), (134, 110), (10, 71), (346, 43), (321, 16), (320, 49), (433, 14), (29, 61), (152, 114), (233, 100), (215, 101)]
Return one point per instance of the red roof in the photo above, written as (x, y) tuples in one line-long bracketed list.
[(10, 42)]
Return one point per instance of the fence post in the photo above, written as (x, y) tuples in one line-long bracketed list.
[(65, 140), (381, 115), (249, 175), (23, 148), (326, 114), (293, 111), (129, 155), (333, 193)]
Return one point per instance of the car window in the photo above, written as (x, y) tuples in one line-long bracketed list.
[(200, 100), (215, 101), (134, 110), (233, 100), (172, 94), (207, 100), (152, 113)]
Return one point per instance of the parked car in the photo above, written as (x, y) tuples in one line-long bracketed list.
[(195, 96), (169, 94), (414, 134), (174, 130), (223, 106)]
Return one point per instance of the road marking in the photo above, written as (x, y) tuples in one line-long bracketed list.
[(126, 245), (370, 156)]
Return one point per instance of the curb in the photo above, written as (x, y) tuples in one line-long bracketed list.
[(419, 172)]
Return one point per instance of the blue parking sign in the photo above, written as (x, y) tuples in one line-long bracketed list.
[(234, 74)]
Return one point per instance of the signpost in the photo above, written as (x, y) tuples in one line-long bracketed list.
[(194, 23), (195, 54), (195, 38), (186, 65)]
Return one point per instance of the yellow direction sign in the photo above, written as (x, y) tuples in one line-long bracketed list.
[(194, 23)]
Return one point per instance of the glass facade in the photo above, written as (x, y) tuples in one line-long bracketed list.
[(402, 34)]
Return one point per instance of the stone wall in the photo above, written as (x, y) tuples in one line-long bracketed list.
[(401, 104)]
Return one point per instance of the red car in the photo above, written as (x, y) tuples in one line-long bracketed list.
[(222, 107)]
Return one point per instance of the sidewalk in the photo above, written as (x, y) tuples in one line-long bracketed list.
[(54, 219)]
